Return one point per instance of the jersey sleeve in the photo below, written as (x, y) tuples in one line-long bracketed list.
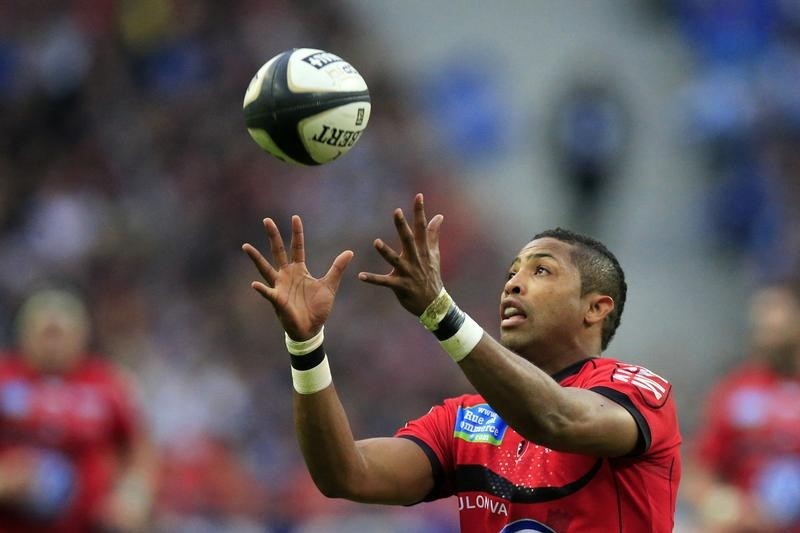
[(433, 432), (125, 402), (647, 397)]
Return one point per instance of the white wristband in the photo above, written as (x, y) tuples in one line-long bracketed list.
[(464, 341), (307, 346), (312, 380), (304, 354)]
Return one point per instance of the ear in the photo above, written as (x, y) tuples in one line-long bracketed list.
[(598, 306)]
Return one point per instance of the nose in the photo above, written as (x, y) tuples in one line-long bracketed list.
[(513, 285)]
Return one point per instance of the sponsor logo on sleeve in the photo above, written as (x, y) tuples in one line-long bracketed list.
[(479, 424)]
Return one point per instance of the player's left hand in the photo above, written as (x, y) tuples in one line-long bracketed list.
[(416, 277)]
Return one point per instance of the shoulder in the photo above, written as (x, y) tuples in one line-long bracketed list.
[(446, 411), (749, 373), (97, 368), (604, 374), (752, 376), (615, 370), (11, 364), (465, 400)]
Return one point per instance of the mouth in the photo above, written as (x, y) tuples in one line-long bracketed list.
[(511, 315)]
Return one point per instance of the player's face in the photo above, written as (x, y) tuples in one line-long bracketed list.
[(53, 341), (774, 313), (541, 302)]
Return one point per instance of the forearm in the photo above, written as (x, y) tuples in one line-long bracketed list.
[(323, 430), (567, 419), (327, 443), (138, 474), (525, 397)]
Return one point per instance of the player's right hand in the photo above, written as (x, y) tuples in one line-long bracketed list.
[(302, 302)]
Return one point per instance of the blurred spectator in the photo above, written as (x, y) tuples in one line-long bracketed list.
[(743, 113), (745, 476), (74, 455), (126, 170), (589, 135)]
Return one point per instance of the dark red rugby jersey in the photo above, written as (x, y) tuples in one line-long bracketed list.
[(74, 426), (750, 438), (507, 484)]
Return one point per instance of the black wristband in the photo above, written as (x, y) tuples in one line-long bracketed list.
[(309, 360), (450, 324)]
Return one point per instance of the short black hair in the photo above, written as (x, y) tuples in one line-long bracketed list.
[(600, 272)]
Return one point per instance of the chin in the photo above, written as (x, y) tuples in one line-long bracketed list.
[(511, 341)]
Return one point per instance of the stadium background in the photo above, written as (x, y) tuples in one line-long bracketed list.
[(126, 171)]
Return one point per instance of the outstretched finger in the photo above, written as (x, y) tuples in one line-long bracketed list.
[(420, 224), (434, 227), (298, 247), (406, 236), (382, 280), (334, 275), (267, 292), (276, 243), (388, 253), (262, 265)]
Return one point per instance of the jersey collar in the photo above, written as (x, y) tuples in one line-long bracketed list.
[(570, 370)]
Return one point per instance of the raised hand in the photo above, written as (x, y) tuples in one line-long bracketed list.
[(302, 302), (415, 277)]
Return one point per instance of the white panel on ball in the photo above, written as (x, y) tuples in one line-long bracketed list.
[(332, 133), (312, 70), (254, 89)]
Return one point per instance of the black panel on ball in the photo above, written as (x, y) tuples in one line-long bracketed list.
[(277, 110)]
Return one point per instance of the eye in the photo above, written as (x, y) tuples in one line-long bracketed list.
[(541, 270), (510, 275)]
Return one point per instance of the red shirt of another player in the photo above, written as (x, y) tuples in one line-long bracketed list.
[(69, 428), (506, 484), (751, 439)]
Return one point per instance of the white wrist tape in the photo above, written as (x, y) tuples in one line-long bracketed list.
[(456, 331), (436, 310), (307, 346), (314, 379), (464, 341), (310, 370)]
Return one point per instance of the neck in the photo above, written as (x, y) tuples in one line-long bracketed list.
[(557, 366), (555, 352), (785, 363), (551, 363)]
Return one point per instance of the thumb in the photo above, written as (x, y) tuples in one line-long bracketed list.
[(334, 275)]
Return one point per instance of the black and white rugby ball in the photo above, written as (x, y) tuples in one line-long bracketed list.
[(307, 106)]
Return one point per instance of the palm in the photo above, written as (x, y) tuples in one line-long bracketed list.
[(302, 302)]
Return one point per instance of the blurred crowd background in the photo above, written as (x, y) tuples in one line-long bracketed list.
[(668, 129)]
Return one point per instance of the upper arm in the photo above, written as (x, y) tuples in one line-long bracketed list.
[(627, 411), (594, 424), (396, 471)]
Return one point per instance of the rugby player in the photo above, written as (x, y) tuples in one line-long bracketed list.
[(558, 438)]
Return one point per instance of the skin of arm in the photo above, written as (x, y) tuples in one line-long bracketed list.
[(379, 470), (567, 419), (129, 505), (562, 418)]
